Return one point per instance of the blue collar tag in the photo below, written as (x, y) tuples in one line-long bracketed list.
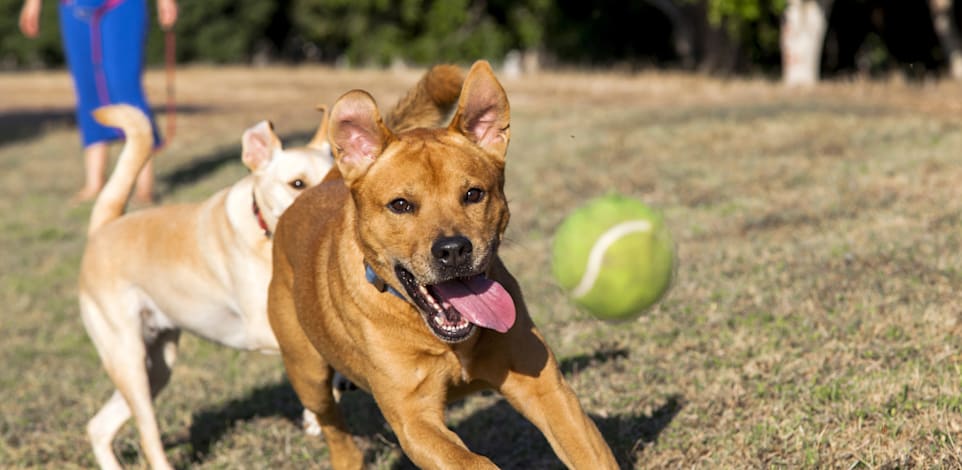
[(379, 283)]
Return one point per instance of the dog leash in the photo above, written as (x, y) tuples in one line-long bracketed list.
[(170, 59)]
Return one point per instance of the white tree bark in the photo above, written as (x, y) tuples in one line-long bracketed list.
[(944, 23), (803, 32)]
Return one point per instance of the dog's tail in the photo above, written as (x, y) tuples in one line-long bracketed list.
[(430, 102), (137, 149)]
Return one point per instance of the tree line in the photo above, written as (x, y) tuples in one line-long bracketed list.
[(719, 36)]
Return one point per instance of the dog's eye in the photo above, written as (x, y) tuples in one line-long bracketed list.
[(473, 195), (400, 206), (297, 184)]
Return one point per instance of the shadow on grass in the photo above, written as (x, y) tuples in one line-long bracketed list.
[(200, 167), (509, 440), (196, 169), (512, 442), (23, 124), (208, 426), (573, 365), (497, 431)]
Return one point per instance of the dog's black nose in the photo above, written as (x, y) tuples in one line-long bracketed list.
[(452, 252)]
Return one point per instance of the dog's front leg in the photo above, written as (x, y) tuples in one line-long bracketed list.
[(545, 399), (418, 420), (311, 377)]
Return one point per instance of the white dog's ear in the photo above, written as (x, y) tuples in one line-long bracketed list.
[(258, 145), (319, 141), (484, 115), (357, 133)]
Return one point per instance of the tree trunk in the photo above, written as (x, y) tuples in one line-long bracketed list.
[(944, 22), (681, 31), (803, 32)]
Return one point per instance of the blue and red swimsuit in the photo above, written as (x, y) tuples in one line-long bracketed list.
[(104, 43)]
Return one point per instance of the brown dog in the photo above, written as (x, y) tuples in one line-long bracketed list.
[(392, 277), (203, 267)]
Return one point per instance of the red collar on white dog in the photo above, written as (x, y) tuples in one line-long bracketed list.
[(260, 218)]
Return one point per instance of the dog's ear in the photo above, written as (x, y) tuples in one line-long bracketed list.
[(319, 141), (258, 144), (357, 133), (483, 115)]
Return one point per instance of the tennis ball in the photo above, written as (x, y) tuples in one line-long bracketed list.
[(614, 257)]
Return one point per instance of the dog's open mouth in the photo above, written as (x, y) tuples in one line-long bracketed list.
[(453, 308)]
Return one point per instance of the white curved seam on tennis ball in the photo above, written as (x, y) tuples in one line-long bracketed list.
[(597, 255)]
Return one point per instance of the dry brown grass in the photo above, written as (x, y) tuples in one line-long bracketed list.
[(814, 323)]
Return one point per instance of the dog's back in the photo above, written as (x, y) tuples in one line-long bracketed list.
[(429, 102)]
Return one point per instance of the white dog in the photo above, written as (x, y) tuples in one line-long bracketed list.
[(200, 267)]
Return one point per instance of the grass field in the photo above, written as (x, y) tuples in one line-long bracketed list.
[(814, 321)]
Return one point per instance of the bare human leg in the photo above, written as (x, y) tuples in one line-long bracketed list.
[(95, 165), (144, 193)]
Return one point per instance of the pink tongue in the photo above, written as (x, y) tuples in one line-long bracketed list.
[(481, 300)]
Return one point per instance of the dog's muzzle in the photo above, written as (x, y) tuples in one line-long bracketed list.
[(455, 307)]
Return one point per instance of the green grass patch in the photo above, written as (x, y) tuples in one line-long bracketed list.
[(814, 321)]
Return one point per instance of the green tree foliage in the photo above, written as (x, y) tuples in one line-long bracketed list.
[(752, 23), (587, 33), (215, 30), (15, 49), (375, 32), (420, 31), (211, 30), (740, 11), (355, 31)]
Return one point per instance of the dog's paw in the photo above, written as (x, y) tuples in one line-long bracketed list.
[(310, 424)]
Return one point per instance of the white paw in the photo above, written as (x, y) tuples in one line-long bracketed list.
[(311, 426)]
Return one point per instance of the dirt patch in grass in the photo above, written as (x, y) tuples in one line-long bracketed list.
[(814, 321)]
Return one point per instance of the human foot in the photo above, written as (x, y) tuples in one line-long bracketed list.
[(143, 199), (84, 195)]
